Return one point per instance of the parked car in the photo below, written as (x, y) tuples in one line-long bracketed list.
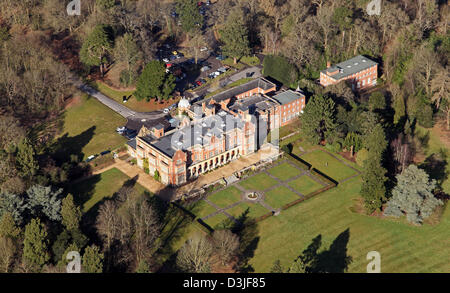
[(166, 60), (121, 129), (166, 110), (202, 80), (205, 68), (105, 153), (222, 69), (198, 82), (203, 49), (90, 158), (221, 57)]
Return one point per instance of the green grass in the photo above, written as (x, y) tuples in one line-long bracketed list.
[(305, 185), (278, 197), (90, 128), (93, 190), (433, 145), (202, 209), (403, 248), (114, 94), (284, 171), (217, 220), (335, 169), (226, 197), (260, 181), (250, 60), (254, 210)]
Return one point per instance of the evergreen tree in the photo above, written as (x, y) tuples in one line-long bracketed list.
[(13, 204), (44, 201), (277, 268), (377, 101), (105, 4), (35, 245), (189, 14), (96, 47), (92, 261), (373, 188), (317, 121), (154, 82), (413, 196), (71, 214), (8, 227), (235, 37), (26, 163), (64, 261), (399, 108)]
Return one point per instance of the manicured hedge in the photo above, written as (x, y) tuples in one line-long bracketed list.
[(279, 68)]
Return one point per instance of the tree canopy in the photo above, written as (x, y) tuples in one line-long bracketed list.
[(154, 82)]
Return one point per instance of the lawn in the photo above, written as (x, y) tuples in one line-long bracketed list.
[(93, 190), (434, 145), (216, 221), (226, 197), (403, 248), (260, 181), (89, 128), (335, 169), (202, 209), (132, 103), (305, 185), (278, 197), (254, 210), (284, 171)]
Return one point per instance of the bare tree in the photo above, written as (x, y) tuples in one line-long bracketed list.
[(195, 255), (108, 223), (226, 245), (8, 251)]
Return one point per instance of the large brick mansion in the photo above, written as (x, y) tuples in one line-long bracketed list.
[(214, 131)]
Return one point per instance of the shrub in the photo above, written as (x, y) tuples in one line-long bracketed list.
[(127, 77), (287, 148), (156, 176), (361, 156), (279, 68), (250, 60)]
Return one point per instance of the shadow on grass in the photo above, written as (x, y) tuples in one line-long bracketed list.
[(333, 260), (247, 230), (436, 166), (174, 228), (66, 146)]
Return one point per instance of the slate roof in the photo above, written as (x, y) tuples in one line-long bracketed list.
[(199, 133), (287, 97), (261, 83), (349, 67)]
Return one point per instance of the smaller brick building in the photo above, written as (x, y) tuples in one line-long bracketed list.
[(360, 71)]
